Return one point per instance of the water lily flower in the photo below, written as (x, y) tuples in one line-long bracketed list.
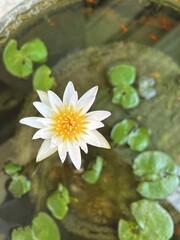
[(66, 126)]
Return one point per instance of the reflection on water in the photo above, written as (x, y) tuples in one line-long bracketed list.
[(97, 27)]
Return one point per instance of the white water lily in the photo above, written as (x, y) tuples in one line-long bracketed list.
[(66, 126)]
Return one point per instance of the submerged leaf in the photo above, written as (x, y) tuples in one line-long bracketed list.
[(19, 186), (158, 174), (122, 74), (126, 96), (45, 228), (92, 175), (58, 202), (138, 140), (121, 130), (152, 222), (42, 79), (12, 168), (18, 64)]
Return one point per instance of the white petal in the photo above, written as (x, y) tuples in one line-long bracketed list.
[(42, 133), (46, 122), (98, 115), (45, 150), (43, 108), (83, 146), (94, 125), (32, 122), (55, 101), (43, 97), (62, 150), (69, 93), (75, 154), (55, 141), (86, 101), (74, 98), (96, 139)]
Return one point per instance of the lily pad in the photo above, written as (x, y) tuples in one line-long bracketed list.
[(35, 50), (93, 175), (126, 96), (42, 79), (122, 74), (158, 174), (12, 168), (18, 64), (19, 186), (152, 222), (45, 228), (138, 140), (22, 234), (58, 202), (121, 130), (129, 231)]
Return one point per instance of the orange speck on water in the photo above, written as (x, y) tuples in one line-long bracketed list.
[(164, 23), (91, 1), (153, 37), (124, 28)]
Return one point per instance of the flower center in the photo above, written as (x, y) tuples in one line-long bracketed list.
[(69, 123)]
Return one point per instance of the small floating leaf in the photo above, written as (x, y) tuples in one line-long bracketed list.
[(158, 174), (58, 201), (139, 139), (22, 234), (126, 96), (42, 79), (45, 228), (152, 222), (12, 168), (92, 175), (153, 219), (19, 186), (129, 231), (35, 50), (122, 75), (121, 130), (16, 62)]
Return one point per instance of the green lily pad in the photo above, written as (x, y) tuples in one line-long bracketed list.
[(122, 74), (129, 231), (42, 79), (19, 186), (22, 234), (126, 96), (18, 64), (12, 168), (91, 176), (58, 202), (45, 228), (121, 130), (158, 174), (138, 140), (35, 50), (152, 222)]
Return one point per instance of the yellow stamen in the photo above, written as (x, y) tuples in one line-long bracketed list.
[(69, 123)]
